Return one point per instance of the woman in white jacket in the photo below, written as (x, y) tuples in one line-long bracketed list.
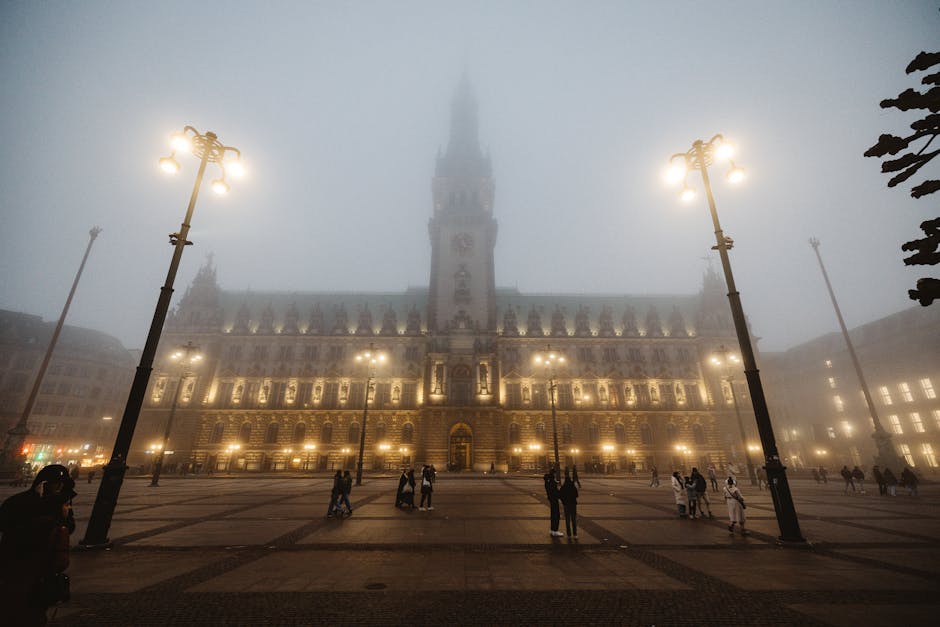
[(735, 503), (678, 490)]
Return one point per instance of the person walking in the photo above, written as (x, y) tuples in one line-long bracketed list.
[(891, 482), (816, 476), (761, 477), (408, 490), (427, 487), (34, 549), (910, 481), (824, 474), (712, 478), (569, 498), (735, 502), (574, 475), (858, 477), (402, 482), (654, 477), (553, 494), (692, 496), (847, 477), (679, 494), (347, 488), (701, 493), (879, 479), (336, 492)]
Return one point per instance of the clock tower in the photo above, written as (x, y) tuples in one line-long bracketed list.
[(462, 292)]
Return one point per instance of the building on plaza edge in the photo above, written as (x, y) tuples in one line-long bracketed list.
[(279, 387)]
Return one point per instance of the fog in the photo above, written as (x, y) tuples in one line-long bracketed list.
[(340, 108)]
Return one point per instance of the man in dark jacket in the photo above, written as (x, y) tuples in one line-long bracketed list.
[(569, 498), (880, 480), (30, 522), (701, 493), (551, 491)]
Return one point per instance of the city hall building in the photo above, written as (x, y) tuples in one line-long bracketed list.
[(280, 388)]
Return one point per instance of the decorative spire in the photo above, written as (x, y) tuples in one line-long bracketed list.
[(463, 156)]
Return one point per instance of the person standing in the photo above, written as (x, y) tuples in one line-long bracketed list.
[(847, 477), (553, 494), (336, 491), (761, 477), (427, 487), (569, 498), (654, 477), (36, 525), (879, 479), (712, 478), (736, 506), (910, 481), (891, 482), (824, 474), (347, 488), (692, 496), (701, 492), (858, 477), (402, 482), (680, 494), (574, 475), (816, 476)]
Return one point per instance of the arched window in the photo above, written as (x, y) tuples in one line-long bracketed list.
[(620, 433), (594, 434), (646, 435), (671, 432), (270, 436), (217, 431), (244, 434), (326, 433), (540, 432), (407, 433), (352, 434), (380, 431), (300, 432), (698, 434), (514, 435), (566, 433)]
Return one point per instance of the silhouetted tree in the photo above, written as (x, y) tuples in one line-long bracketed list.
[(927, 128)]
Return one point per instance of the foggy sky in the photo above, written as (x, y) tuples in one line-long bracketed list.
[(339, 110)]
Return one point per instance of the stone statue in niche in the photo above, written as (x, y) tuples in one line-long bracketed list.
[(396, 394), (263, 396), (462, 320), (158, 389), (680, 393), (317, 393), (237, 394), (628, 394), (654, 394), (344, 392), (438, 379), (188, 390), (577, 393), (484, 379), (726, 390), (291, 393), (462, 285), (525, 394), (602, 394)]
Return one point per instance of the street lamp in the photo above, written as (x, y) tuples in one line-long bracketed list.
[(724, 359), (371, 359), (185, 356), (207, 148), (551, 361), (699, 157)]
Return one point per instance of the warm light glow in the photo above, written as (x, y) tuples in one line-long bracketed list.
[(169, 165), (310, 447), (180, 142), (735, 175), (687, 194), (106, 418), (675, 172), (235, 168), (723, 151), (608, 447), (219, 186)]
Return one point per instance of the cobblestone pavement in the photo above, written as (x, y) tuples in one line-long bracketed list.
[(248, 551)]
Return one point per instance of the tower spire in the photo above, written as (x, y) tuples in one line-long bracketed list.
[(463, 156)]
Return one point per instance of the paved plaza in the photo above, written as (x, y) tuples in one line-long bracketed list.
[(259, 550)]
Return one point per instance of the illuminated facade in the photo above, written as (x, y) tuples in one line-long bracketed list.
[(279, 388), (82, 396), (817, 402)]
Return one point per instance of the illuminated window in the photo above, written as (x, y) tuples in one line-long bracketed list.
[(832, 382), (847, 428), (828, 364), (905, 451), (895, 424), (831, 433), (927, 386), (840, 406), (917, 422), (906, 392), (936, 417), (885, 395), (929, 455)]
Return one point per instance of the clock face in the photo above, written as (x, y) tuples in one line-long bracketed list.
[(463, 243)]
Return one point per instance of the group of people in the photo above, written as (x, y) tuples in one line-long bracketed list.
[(405, 497), (854, 480), (692, 501), (34, 550), (567, 495), (339, 495)]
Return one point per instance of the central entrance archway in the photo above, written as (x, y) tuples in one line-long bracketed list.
[(461, 447)]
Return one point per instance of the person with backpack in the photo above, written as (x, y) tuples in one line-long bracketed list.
[(701, 492)]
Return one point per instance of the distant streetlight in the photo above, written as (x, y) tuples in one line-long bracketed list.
[(551, 361), (207, 148), (186, 356), (371, 359), (699, 157), (724, 359)]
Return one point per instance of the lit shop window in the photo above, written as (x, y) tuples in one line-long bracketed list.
[(885, 395), (929, 455), (917, 422), (905, 451), (895, 424), (906, 392), (840, 406), (936, 417), (927, 386), (832, 382)]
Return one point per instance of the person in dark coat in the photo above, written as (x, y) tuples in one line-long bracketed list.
[(891, 482), (880, 480), (347, 488), (553, 494), (569, 498), (35, 525), (427, 486), (402, 482), (574, 475), (909, 480), (335, 494)]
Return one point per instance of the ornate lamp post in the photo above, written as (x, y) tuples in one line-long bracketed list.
[(724, 359), (699, 157), (551, 360), (208, 149), (185, 356), (371, 359)]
